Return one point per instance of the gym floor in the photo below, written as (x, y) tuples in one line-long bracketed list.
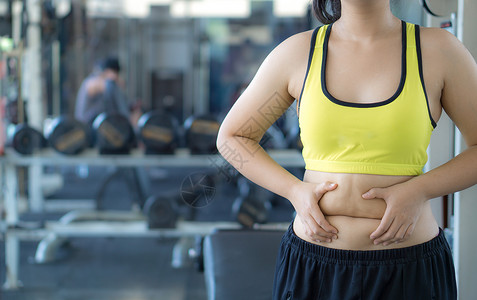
[(119, 268)]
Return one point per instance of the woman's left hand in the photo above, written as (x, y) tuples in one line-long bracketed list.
[(404, 206)]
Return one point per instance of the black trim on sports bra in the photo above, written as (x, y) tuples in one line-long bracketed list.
[(310, 58), (421, 72), (364, 105)]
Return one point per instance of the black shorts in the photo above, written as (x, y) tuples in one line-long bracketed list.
[(307, 271)]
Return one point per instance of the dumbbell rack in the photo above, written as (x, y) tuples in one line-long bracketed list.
[(127, 224)]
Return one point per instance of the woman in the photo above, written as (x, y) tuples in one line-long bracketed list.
[(371, 89)]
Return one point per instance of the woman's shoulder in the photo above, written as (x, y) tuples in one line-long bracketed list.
[(439, 40), (444, 49), (286, 64), (293, 51)]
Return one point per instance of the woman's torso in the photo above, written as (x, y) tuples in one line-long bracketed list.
[(356, 218), (366, 72)]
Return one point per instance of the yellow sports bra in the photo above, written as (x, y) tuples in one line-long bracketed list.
[(385, 138)]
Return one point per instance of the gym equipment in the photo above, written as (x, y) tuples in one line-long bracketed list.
[(197, 253), (21, 137), (427, 9), (25, 139), (114, 134), (161, 212), (133, 178), (201, 134), (159, 132), (252, 205), (181, 258), (250, 211), (197, 191), (47, 250), (240, 264), (68, 136), (439, 8)]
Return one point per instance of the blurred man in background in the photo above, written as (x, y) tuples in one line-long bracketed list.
[(100, 92)]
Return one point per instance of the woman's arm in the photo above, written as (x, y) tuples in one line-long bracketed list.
[(459, 100), (268, 96)]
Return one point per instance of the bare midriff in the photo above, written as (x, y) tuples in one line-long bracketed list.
[(356, 218)]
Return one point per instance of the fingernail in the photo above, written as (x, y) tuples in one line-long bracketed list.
[(328, 241), (331, 185), (365, 195), (335, 237)]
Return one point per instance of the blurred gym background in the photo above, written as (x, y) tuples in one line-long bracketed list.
[(119, 207)]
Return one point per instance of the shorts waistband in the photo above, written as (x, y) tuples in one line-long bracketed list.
[(385, 256)]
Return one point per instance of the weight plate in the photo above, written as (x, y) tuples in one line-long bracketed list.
[(159, 132), (201, 134), (114, 134), (25, 139), (68, 136), (250, 210), (161, 212)]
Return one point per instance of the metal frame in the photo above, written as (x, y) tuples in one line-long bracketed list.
[(93, 223)]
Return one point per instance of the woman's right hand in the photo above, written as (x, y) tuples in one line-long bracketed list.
[(305, 200)]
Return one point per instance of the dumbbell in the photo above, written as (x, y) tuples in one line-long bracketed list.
[(68, 135), (159, 132), (161, 211), (253, 205), (201, 134), (164, 211), (197, 191), (25, 139), (113, 134)]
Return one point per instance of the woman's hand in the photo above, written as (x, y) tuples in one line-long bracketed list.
[(403, 208), (305, 200)]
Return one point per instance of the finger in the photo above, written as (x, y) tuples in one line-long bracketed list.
[(383, 227), (323, 223), (398, 236), (401, 234), (315, 232), (324, 187), (391, 234), (388, 235), (373, 194), (409, 231)]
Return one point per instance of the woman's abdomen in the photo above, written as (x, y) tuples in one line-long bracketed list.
[(356, 218), (346, 199)]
